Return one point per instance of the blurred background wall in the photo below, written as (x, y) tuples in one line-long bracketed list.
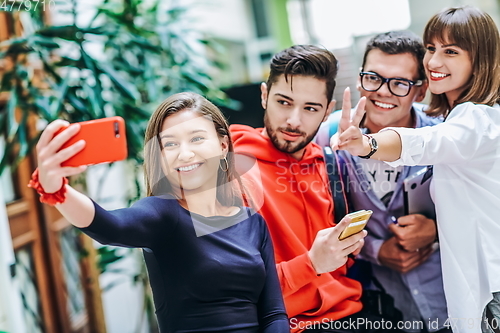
[(253, 30)]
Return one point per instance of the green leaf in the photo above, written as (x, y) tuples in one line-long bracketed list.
[(121, 65), (95, 108), (11, 115), (69, 62), (13, 41), (113, 284), (61, 98), (16, 46), (102, 30), (6, 83), (198, 80), (72, 32), (176, 11), (116, 270), (94, 92), (67, 32), (42, 104), (6, 156), (151, 93), (75, 101), (43, 42), (12, 128), (123, 86), (87, 60), (51, 70), (22, 138), (145, 44), (107, 256)]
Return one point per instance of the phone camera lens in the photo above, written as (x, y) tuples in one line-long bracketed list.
[(117, 130)]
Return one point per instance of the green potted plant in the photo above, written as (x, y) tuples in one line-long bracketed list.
[(147, 54)]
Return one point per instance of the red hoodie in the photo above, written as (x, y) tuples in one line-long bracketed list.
[(297, 204)]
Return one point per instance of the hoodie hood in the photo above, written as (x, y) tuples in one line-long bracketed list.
[(249, 140)]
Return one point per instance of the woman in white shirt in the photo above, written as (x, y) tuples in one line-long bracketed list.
[(463, 67)]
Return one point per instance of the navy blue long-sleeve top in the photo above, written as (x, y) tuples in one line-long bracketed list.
[(208, 274)]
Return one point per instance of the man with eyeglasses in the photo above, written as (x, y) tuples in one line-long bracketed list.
[(400, 249)]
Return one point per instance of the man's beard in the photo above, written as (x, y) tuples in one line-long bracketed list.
[(287, 146)]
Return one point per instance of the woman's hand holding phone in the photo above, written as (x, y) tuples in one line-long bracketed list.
[(77, 208), (65, 150), (50, 155)]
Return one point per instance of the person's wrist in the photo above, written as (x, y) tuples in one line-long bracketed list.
[(54, 198), (369, 146), (366, 145), (310, 255)]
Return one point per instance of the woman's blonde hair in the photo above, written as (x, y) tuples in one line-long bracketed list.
[(475, 32), (156, 182)]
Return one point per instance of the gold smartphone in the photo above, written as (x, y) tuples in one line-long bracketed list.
[(358, 222)]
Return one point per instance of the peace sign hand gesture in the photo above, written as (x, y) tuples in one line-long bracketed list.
[(349, 136)]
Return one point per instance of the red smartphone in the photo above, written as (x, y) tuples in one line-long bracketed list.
[(105, 139)]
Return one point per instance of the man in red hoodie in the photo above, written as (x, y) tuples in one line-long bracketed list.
[(297, 202)]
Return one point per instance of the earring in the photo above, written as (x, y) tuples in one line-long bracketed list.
[(227, 164)]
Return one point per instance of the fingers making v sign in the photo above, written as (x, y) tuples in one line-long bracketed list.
[(349, 136)]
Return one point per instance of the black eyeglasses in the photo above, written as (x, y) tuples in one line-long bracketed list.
[(371, 81)]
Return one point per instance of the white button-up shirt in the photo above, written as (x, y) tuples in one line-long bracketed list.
[(465, 152)]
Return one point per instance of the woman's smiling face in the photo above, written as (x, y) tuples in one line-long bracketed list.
[(448, 68), (191, 150)]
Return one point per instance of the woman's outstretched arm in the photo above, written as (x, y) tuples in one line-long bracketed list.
[(138, 226), (349, 137), (78, 209)]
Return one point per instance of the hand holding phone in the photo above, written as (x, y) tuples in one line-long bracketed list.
[(105, 141), (358, 223)]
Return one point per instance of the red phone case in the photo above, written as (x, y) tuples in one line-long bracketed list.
[(105, 139)]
